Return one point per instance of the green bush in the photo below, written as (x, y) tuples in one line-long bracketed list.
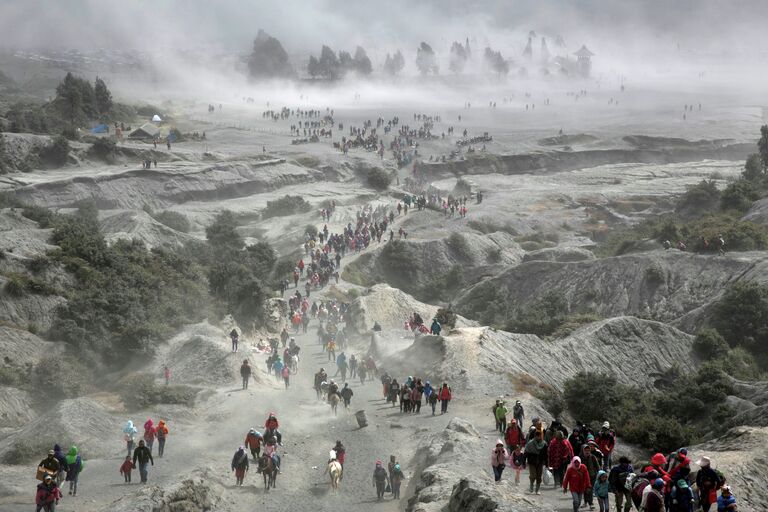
[(655, 275), (459, 244), (592, 396), (43, 216), (173, 220), (442, 286), (378, 179), (38, 264), (23, 451), (542, 317), (15, 286), (552, 401), (446, 317), (739, 196), (286, 205), (709, 344), (487, 225), (104, 149), (311, 230), (140, 391), (57, 153), (12, 376), (657, 432), (702, 197), (57, 377), (741, 316), (222, 233)]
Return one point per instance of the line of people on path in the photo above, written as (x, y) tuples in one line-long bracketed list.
[(411, 393)]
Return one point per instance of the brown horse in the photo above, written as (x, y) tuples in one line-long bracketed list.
[(269, 470), (334, 401)]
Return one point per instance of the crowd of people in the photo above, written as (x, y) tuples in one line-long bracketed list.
[(582, 462)]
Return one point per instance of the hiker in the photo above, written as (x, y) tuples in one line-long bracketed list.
[(253, 442), (62, 459), (235, 337), (126, 467), (396, 478), (517, 461), (391, 466), (518, 413), (286, 374), (167, 374), (726, 501), (75, 465), (444, 395), (501, 417), (593, 465), (48, 495), (380, 480), (143, 456), (149, 433), (240, 465), (129, 431), (654, 501), (560, 454), (535, 457), (601, 491), (577, 479), (271, 425), (433, 401), (617, 480), (346, 395), (499, 456), (707, 481), (352, 366), (49, 464), (245, 373), (681, 466), (606, 440), (680, 497), (162, 434), (436, 327)]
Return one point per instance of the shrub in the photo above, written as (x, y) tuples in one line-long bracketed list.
[(43, 216), (38, 264), (311, 230), (739, 196), (659, 433), (11, 376), (222, 233), (494, 255), (286, 205), (57, 153), (741, 316), (23, 451), (103, 149), (709, 344), (56, 377), (702, 197), (446, 317), (487, 225), (552, 400), (592, 396), (458, 243), (542, 317), (139, 391), (173, 220), (378, 179), (15, 286), (654, 275)]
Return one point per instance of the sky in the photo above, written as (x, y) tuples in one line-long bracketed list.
[(302, 25)]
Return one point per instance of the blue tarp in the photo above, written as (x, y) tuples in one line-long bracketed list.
[(100, 128)]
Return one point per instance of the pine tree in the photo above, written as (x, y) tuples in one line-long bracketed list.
[(103, 97)]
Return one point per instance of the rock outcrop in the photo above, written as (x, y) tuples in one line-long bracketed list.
[(15, 409), (138, 225), (634, 351), (194, 494), (662, 285)]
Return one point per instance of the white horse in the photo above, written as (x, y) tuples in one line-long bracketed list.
[(294, 363), (334, 470)]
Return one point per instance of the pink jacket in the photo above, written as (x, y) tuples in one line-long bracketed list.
[(499, 456)]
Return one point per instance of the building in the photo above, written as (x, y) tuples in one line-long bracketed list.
[(145, 131), (583, 60)]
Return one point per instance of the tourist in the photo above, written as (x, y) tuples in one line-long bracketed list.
[(143, 455)]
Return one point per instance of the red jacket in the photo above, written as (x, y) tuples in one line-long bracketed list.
[(606, 442), (46, 495), (444, 394), (271, 424), (253, 442), (126, 468), (514, 435), (560, 453), (577, 479)]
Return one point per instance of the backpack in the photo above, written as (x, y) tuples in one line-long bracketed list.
[(629, 482), (621, 479), (380, 474), (680, 499)]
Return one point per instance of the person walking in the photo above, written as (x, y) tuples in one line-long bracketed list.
[(129, 433), (396, 479), (245, 373), (444, 396), (346, 395), (501, 412), (601, 490), (253, 442), (536, 456), (577, 479), (518, 413), (126, 468), (286, 373), (617, 479), (380, 480), (47, 495), (499, 456), (143, 456), (240, 465), (75, 466), (560, 455), (707, 482), (162, 435)]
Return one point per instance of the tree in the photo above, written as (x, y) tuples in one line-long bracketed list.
[(458, 59), (71, 96), (741, 316), (103, 97), (753, 168), (426, 60), (394, 64), (361, 62), (762, 146), (330, 68), (268, 58), (223, 232), (709, 344), (313, 68), (739, 196), (346, 63), (495, 62)]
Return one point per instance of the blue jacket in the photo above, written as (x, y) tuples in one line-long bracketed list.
[(601, 488)]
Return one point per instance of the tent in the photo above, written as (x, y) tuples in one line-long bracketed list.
[(156, 119), (145, 131), (100, 128)]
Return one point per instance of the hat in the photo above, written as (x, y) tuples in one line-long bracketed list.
[(684, 451), (51, 452), (682, 484), (727, 488), (397, 467), (658, 483), (499, 442), (658, 459), (703, 461), (378, 463), (606, 425)]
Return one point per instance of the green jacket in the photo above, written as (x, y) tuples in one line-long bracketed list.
[(501, 412)]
